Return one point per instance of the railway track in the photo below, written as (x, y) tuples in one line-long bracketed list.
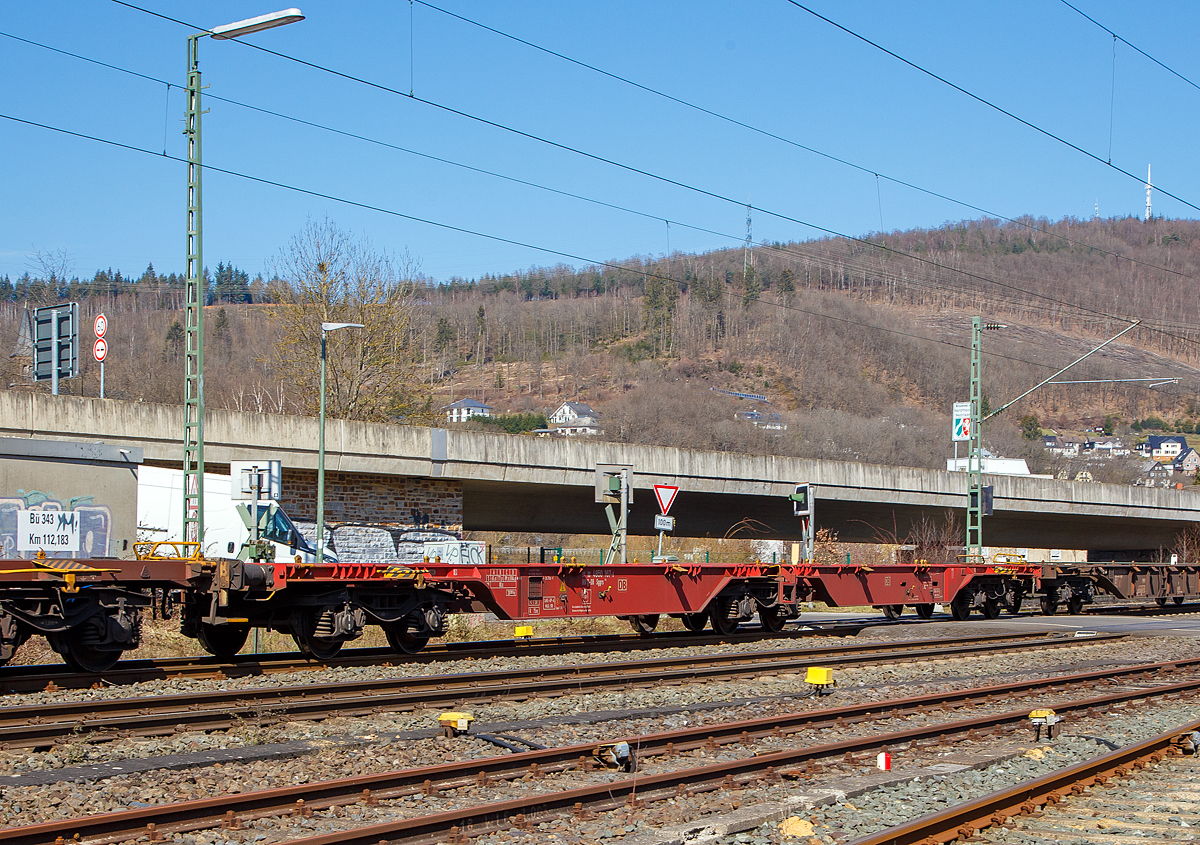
[(17, 679), (1072, 802), (40, 725), (34, 678), (242, 810)]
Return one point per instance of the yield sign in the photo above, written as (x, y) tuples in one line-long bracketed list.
[(666, 496)]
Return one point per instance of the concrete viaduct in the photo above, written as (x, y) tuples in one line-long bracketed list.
[(412, 475)]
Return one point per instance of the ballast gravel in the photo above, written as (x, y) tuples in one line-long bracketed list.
[(402, 668), (851, 818), (854, 684)]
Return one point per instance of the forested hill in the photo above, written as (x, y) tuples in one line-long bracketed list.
[(860, 347)]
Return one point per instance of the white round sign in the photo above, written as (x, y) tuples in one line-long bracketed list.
[(100, 349), (101, 326)]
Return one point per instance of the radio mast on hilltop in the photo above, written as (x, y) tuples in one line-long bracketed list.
[(1148, 214), (747, 254)]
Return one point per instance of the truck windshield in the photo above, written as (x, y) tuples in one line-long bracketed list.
[(280, 529)]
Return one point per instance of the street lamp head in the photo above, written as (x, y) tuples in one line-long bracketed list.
[(332, 327), (239, 28)]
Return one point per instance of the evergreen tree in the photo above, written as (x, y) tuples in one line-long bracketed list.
[(231, 284), (221, 326), (787, 282), (173, 343), (1030, 427), (445, 333), (753, 289)]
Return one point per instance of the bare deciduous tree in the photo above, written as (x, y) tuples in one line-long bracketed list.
[(324, 275)]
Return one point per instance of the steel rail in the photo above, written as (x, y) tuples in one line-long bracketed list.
[(456, 826), (235, 810), (34, 678), (37, 677), (963, 821), (38, 725)]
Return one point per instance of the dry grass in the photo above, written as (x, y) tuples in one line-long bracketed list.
[(161, 638)]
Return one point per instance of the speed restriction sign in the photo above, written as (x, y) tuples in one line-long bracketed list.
[(101, 325), (100, 349)]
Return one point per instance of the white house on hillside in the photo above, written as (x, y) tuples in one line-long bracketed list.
[(569, 412), (464, 409), (573, 418)]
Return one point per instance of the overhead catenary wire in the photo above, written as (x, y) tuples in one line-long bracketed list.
[(792, 252), (782, 250), (499, 238), (894, 280), (910, 283), (633, 169), (983, 101), (664, 179), (1132, 46), (767, 133)]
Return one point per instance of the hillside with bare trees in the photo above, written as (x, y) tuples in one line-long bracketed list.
[(859, 347)]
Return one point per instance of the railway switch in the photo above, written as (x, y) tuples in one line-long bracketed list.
[(1047, 718), (455, 723), (820, 678)]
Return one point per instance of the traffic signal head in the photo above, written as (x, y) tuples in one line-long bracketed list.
[(608, 483), (801, 500)]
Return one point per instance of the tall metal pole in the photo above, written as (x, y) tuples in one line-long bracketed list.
[(975, 451), (193, 395), (624, 512), (321, 462)]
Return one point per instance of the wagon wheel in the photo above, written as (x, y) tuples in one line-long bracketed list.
[(991, 609), (772, 618), (402, 640), (1178, 599), (721, 622), (1049, 606), (1161, 601), (1015, 607), (644, 624), (222, 640), (318, 648), (1075, 605), (694, 622), (81, 656), (960, 608), (925, 611), (892, 611)]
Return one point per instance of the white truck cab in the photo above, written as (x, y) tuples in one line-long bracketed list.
[(227, 522)]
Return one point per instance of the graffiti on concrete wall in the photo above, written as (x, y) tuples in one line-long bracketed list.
[(390, 544), (95, 522)]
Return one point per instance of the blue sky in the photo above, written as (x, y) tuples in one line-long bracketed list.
[(765, 62)]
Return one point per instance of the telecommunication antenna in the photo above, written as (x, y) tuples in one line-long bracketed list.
[(1148, 186), (747, 255)]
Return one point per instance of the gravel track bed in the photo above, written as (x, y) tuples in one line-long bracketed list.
[(28, 805), (847, 820), (830, 824), (855, 684), (319, 674)]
